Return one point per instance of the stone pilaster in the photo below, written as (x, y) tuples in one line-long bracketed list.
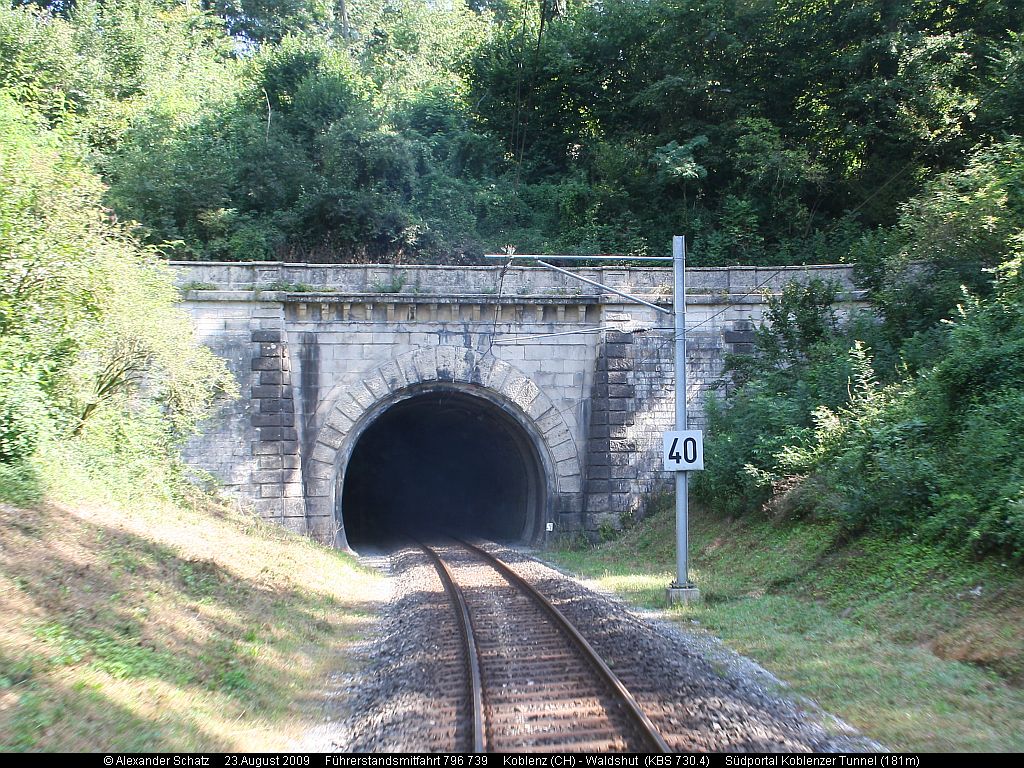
[(277, 477), (610, 476)]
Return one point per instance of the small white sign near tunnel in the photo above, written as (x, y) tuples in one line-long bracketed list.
[(683, 451)]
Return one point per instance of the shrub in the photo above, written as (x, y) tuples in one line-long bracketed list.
[(19, 483), (930, 447), (799, 365), (91, 339), (23, 413)]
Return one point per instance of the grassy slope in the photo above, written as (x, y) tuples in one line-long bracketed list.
[(167, 629), (888, 634)]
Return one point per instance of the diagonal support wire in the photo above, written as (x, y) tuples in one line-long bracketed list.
[(604, 287)]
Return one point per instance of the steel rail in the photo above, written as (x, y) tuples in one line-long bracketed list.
[(640, 718), (469, 644)]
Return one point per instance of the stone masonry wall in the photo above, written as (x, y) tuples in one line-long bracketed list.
[(611, 474)]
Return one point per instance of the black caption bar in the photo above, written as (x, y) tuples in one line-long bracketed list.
[(499, 760)]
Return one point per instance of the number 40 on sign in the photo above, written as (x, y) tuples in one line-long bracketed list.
[(683, 451)]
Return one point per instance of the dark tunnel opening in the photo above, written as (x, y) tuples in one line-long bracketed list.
[(442, 463)]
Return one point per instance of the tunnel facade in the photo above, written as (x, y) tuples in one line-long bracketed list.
[(584, 376), (443, 460), (441, 439)]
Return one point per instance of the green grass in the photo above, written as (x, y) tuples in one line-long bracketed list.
[(394, 285), (288, 287), (903, 696), (196, 285), (168, 628), (918, 648)]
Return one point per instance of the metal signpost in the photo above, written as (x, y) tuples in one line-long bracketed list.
[(682, 590), (683, 449)]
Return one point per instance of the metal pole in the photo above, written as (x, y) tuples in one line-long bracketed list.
[(683, 590)]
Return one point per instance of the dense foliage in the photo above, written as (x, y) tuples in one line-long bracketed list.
[(912, 422), (92, 346), (879, 132), (768, 132)]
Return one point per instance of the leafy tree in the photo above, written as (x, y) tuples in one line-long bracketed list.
[(88, 318), (878, 436), (269, 21), (963, 225)]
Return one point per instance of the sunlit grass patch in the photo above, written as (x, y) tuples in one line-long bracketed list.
[(168, 629), (903, 696), (642, 588)]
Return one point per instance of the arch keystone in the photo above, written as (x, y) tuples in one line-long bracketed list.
[(482, 369), (446, 364), (425, 362)]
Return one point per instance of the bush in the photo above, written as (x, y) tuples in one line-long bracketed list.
[(980, 499), (800, 364), (19, 483), (92, 342), (937, 455), (932, 446), (952, 235), (23, 413)]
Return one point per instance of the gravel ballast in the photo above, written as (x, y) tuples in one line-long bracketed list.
[(702, 696)]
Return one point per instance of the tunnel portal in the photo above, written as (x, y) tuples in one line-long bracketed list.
[(443, 462)]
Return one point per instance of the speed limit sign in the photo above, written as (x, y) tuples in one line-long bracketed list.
[(684, 450)]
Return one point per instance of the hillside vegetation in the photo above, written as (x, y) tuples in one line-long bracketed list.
[(137, 614), (918, 648), (313, 130), (908, 419), (882, 133)]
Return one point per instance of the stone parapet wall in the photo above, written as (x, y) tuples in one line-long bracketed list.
[(712, 284)]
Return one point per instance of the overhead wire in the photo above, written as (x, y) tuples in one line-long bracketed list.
[(760, 286)]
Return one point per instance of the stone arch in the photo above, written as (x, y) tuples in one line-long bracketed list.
[(351, 407)]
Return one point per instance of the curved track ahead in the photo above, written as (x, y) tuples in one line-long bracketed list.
[(532, 681)]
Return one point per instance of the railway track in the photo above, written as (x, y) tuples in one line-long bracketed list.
[(531, 681)]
